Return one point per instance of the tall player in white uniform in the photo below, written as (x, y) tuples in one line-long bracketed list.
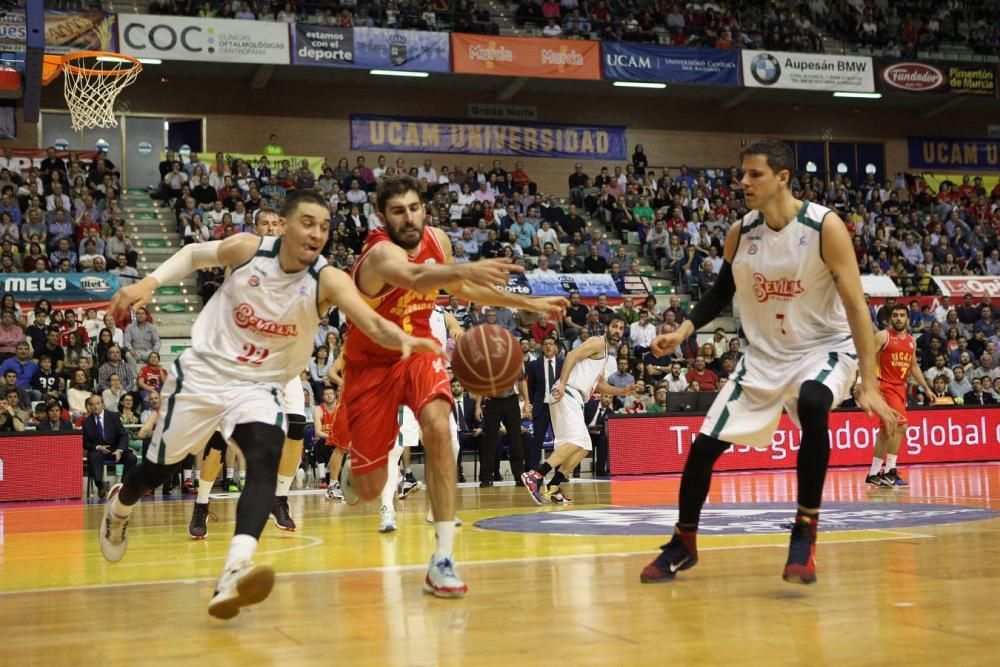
[(267, 222), (790, 265), (586, 368), (252, 338)]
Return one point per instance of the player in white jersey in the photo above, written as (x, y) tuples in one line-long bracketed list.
[(267, 223), (585, 369), (790, 265), (252, 337)]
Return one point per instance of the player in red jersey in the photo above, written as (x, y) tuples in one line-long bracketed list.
[(897, 362), (331, 434), (400, 271)]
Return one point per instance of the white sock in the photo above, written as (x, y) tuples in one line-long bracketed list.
[(243, 475), (284, 484), (890, 461), (320, 472), (230, 472), (187, 474), (120, 510), (444, 531), (392, 477), (241, 548), (876, 466), (407, 471), (204, 491)]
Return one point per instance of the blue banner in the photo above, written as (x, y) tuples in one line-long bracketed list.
[(668, 64), (384, 48), (941, 154), (418, 135), (590, 285), (322, 45), (59, 287)]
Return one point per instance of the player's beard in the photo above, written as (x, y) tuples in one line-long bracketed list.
[(405, 244), (898, 329)]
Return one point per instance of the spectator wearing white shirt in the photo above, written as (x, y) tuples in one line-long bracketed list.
[(427, 172), (58, 199), (544, 270), (676, 381), (642, 333), (993, 263), (547, 235), (379, 170)]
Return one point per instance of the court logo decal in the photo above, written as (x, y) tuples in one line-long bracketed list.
[(733, 519)]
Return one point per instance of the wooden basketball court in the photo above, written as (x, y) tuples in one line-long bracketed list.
[(922, 593)]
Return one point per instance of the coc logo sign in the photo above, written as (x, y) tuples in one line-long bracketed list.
[(164, 37), (222, 40)]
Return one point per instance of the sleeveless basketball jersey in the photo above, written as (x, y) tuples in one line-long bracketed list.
[(409, 309), (587, 372), (260, 324), (895, 357), (788, 302), (327, 419), (438, 327)]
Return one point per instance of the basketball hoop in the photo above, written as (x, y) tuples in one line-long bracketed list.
[(92, 82)]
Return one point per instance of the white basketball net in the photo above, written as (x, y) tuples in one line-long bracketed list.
[(91, 95)]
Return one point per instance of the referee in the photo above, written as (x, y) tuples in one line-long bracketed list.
[(502, 409)]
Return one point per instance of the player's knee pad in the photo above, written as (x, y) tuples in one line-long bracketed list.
[(815, 401), (261, 444), (217, 443), (155, 474), (296, 427)]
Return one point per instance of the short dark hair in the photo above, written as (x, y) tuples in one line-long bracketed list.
[(618, 317), (901, 307), (778, 154), (266, 209), (297, 197), (394, 186)]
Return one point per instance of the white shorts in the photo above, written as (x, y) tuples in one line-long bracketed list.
[(409, 428), (747, 410), (295, 401), (197, 402), (568, 425)]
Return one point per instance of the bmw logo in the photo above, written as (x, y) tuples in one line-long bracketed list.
[(766, 69)]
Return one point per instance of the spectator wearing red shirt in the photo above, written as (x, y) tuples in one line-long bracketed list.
[(69, 325), (542, 328), (707, 380), (152, 376), (519, 176)]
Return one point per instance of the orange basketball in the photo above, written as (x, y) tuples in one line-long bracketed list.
[(487, 360)]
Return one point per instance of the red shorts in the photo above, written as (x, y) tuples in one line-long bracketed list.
[(895, 397), (340, 436), (373, 394)]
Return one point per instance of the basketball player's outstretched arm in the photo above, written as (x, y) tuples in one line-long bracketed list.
[(230, 252), (336, 288), (838, 255)]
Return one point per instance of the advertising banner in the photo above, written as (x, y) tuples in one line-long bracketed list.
[(322, 45), (384, 48), (203, 40), (954, 78), (65, 32), (808, 71), (417, 135), (294, 161), (625, 61), (590, 285), (19, 478), (22, 159), (944, 154), (526, 56), (59, 287), (980, 287), (660, 444)]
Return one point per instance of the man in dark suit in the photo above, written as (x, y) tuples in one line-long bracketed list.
[(104, 439), (977, 396), (469, 430), (595, 414), (543, 373)]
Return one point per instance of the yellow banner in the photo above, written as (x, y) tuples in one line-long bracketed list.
[(935, 180), (294, 161)]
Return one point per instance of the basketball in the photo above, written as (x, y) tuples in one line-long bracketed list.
[(487, 360)]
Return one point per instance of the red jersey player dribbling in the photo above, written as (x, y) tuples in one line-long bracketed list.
[(897, 361), (400, 271)]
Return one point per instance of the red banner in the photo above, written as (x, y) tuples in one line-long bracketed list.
[(978, 286), (23, 158), (526, 56), (41, 466), (641, 445)]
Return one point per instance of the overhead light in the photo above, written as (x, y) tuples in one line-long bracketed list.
[(863, 96), (399, 72), (144, 61), (638, 84), (150, 61)]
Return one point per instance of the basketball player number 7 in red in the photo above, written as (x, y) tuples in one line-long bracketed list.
[(253, 355), (781, 323)]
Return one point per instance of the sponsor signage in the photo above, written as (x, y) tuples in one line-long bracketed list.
[(808, 71), (322, 45), (203, 39), (625, 61), (22, 159), (65, 32), (384, 48), (660, 444), (526, 56), (590, 285), (949, 154), (415, 135), (954, 78), (59, 287), (980, 287), (502, 111), (19, 478)]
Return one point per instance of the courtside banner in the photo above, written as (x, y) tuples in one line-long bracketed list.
[(21, 159), (808, 71), (526, 56), (641, 445), (417, 135), (948, 154), (590, 285), (24, 476), (203, 40), (980, 287), (624, 61), (59, 287)]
